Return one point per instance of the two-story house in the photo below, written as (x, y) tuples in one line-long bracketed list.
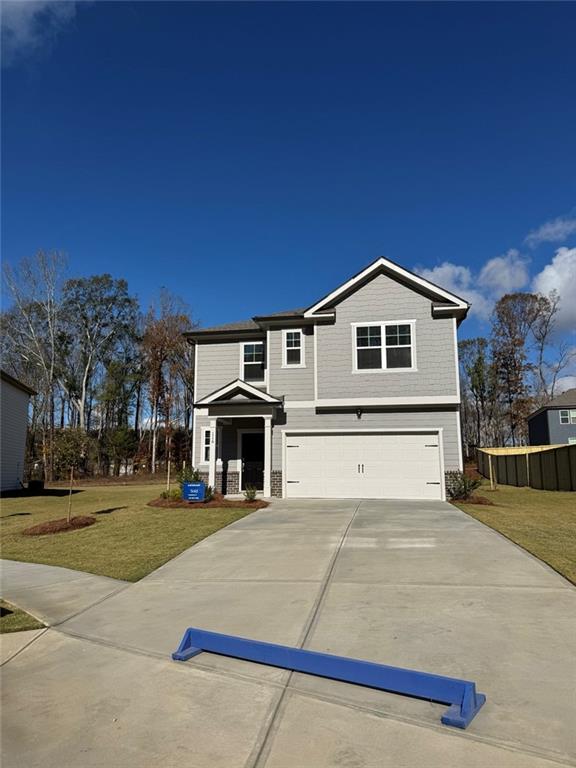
[(356, 396)]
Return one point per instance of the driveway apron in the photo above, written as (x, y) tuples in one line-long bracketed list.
[(413, 584)]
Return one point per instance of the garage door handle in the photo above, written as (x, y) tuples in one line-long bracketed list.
[(432, 483), (292, 481), (431, 446)]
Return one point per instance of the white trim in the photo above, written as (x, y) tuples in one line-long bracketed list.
[(212, 464), (194, 413), (241, 345), (459, 438), (239, 434), (268, 371), (267, 456), (316, 329), (371, 430), (444, 309), (291, 405), (203, 446), (239, 384), (351, 430), (243, 415), (456, 359), (285, 363), (369, 401), (442, 467), (383, 324), (394, 268)]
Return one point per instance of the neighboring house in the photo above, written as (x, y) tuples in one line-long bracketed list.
[(555, 422), (356, 396), (14, 398)]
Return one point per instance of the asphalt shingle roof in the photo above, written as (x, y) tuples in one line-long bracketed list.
[(567, 398), (249, 325)]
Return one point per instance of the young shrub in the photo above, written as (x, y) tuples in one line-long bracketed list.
[(250, 493), (188, 475), (463, 486), (209, 493)]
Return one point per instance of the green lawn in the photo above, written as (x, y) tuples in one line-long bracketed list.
[(543, 522), (128, 540), (12, 619)]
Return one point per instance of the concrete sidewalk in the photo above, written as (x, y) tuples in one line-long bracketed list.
[(53, 594), (413, 584)]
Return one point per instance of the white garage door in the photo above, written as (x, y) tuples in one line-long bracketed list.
[(403, 465)]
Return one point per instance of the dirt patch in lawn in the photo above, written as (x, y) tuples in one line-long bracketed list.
[(59, 526), (217, 502)]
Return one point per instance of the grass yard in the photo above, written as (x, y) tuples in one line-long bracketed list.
[(542, 522), (128, 541), (12, 619)]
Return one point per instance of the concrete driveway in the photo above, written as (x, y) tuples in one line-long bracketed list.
[(413, 584)]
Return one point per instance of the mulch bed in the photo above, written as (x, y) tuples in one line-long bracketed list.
[(59, 526), (477, 500), (218, 502)]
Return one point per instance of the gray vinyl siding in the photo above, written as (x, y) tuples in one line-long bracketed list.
[(217, 365), (381, 300), (293, 383), (309, 419), (14, 409), (559, 433)]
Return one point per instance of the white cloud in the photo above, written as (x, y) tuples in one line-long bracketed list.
[(564, 383), (560, 276), (555, 231), (505, 274), (30, 25), (500, 275)]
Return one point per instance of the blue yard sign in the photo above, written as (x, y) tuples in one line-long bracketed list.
[(194, 491)]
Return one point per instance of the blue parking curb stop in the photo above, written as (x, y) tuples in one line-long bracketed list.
[(461, 695)]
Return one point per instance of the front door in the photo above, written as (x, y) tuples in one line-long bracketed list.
[(253, 460)]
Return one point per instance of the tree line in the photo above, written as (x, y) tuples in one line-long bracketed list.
[(115, 382), (113, 379), (513, 371)]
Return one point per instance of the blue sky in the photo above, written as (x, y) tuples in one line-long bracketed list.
[(252, 156)]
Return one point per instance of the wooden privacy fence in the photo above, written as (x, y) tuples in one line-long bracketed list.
[(545, 467)]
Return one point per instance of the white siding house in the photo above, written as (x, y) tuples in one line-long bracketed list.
[(14, 398)]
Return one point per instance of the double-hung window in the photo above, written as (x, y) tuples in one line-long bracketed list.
[(253, 366), (293, 349), (568, 417), (384, 346)]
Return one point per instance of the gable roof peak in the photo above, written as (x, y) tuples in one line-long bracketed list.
[(382, 264)]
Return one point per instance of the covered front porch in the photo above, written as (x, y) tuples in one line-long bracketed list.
[(235, 438)]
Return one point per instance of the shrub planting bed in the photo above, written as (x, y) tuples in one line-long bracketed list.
[(59, 526), (218, 501)]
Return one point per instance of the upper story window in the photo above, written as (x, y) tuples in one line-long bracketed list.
[(293, 346), (384, 346), (567, 417), (253, 367)]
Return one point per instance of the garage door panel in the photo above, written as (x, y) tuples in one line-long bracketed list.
[(364, 465)]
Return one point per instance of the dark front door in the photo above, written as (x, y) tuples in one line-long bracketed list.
[(253, 460)]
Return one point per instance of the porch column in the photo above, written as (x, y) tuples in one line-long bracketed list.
[(212, 465), (267, 455)]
